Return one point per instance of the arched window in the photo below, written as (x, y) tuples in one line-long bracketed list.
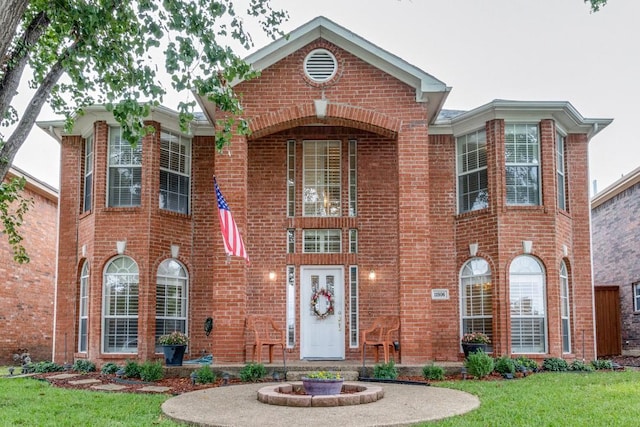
[(528, 306), (83, 308), (171, 299), (565, 311), (120, 306), (476, 296)]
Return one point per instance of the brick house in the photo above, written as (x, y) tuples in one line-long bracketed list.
[(615, 233), (27, 290), (354, 179)]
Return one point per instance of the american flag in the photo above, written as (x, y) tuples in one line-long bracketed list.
[(233, 244)]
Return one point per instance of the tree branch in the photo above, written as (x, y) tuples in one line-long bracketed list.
[(10, 14), (17, 61)]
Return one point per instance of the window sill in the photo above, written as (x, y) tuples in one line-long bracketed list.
[(173, 213)]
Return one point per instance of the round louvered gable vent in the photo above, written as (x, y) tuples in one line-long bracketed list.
[(320, 65)]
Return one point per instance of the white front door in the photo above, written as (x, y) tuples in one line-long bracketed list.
[(322, 322)]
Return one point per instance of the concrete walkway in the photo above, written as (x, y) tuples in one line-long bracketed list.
[(237, 405)]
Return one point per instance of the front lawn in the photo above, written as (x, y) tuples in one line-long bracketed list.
[(553, 399), (30, 402)]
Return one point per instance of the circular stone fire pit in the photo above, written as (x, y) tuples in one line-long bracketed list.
[(292, 394)]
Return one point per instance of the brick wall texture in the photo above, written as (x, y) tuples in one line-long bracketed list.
[(27, 290), (409, 231)]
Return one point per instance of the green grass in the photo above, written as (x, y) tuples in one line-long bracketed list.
[(29, 402), (553, 399)]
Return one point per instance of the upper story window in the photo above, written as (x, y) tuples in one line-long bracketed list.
[(562, 183), (125, 171), (322, 241), (88, 174), (522, 150), (175, 172), (473, 191), (322, 187)]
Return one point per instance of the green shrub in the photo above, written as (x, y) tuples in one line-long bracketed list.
[(205, 375), (602, 364), (109, 368), (525, 362), (43, 367), (555, 364), (252, 372), (479, 364), (433, 372), (505, 365), (84, 366), (151, 371), (132, 369), (386, 371), (580, 366)]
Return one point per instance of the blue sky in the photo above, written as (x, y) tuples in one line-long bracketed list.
[(547, 50)]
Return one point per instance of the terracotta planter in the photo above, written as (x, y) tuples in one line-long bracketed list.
[(469, 348), (320, 387), (173, 354)]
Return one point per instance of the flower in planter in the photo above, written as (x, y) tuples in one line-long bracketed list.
[(323, 375), (475, 338), (174, 338)]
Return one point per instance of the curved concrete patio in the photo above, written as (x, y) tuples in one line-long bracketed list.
[(237, 405)]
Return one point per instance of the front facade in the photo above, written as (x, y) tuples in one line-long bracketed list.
[(27, 290), (355, 182), (615, 234)]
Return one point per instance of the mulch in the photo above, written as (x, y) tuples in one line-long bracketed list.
[(184, 385)]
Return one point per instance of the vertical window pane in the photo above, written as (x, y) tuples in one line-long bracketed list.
[(522, 154), (171, 299), (175, 172), (88, 173), (477, 298), (353, 241), (527, 305), (353, 178), (321, 178), (565, 312), (83, 309), (291, 241), (560, 156), (291, 178), (353, 307), (291, 306), (473, 183), (125, 171), (120, 320)]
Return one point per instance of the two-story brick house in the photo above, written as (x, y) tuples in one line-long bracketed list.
[(354, 179)]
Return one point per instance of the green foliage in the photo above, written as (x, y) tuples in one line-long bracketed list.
[(324, 375), (83, 365), (580, 366), (479, 364), (253, 372), (505, 365), (174, 338), (602, 364), (13, 207), (132, 369), (151, 371), (205, 375), (43, 367), (596, 5), (433, 372), (387, 371), (109, 368), (555, 364), (525, 362)]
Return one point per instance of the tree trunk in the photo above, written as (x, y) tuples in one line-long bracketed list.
[(10, 14)]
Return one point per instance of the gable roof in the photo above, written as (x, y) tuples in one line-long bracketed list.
[(624, 183), (428, 88)]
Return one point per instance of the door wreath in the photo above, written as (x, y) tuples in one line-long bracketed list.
[(315, 298)]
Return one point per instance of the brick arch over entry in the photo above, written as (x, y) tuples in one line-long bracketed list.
[(336, 115)]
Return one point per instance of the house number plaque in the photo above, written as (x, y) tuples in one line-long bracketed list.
[(439, 294)]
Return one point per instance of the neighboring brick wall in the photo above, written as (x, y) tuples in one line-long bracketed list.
[(616, 230), (27, 290)]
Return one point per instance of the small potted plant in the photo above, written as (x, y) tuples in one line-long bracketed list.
[(173, 346), (473, 342), (322, 383)]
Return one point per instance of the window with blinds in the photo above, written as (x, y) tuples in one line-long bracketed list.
[(522, 151), (527, 305), (477, 298), (322, 189), (125, 171), (473, 184), (175, 172)]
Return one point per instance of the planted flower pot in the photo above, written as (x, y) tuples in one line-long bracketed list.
[(469, 348), (173, 354), (322, 387)]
